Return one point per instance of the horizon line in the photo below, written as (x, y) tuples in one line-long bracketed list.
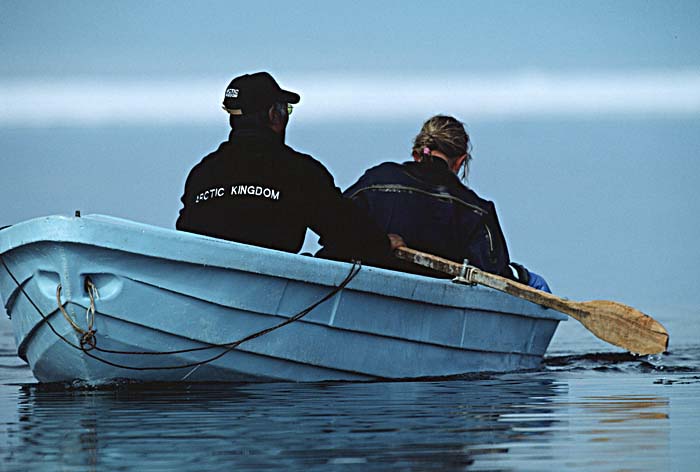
[(83, 101)]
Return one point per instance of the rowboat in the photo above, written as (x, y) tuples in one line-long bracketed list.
[(98, 299)]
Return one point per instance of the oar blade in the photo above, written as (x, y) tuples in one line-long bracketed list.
[(623, 326)]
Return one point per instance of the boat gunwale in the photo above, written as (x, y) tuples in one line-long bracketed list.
[(191, 248)]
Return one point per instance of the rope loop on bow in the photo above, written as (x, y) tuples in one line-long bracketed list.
[(88, 341)]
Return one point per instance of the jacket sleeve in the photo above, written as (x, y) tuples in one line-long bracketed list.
[(346, 230), (487, 248), (184, 220)]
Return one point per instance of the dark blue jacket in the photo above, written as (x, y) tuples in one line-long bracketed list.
[(434, 212)]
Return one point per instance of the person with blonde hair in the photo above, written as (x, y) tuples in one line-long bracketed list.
[(426, 203)]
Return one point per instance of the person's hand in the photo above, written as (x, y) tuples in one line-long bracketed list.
[(538, 282), (396, 241), (530, 278)]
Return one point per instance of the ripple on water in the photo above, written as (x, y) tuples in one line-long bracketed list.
[(525, 421)]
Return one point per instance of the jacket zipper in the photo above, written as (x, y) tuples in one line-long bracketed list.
[(490, 238), (402, 188)]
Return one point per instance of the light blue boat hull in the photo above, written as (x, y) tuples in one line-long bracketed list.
[(165, 290)]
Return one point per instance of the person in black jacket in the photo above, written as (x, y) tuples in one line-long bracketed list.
[(426, 203), (255, 189)]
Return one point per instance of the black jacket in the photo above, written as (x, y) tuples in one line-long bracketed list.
[(254, 189), (434, 212)]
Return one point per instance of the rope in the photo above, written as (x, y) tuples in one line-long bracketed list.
[(89, 342), (66, 315), (354, 270), (87, 339), (19, 286)]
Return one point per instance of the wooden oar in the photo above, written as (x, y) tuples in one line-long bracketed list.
[(612, 322)]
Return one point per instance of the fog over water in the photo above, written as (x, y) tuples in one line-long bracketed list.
[(361, 97)]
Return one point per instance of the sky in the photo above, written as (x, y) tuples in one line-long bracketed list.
[(585, 116), (155, 38)]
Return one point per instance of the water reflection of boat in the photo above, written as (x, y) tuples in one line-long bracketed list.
[(311, 426), (152, 290)]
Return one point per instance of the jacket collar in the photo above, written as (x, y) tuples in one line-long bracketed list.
[(434, 172), (265, 134)]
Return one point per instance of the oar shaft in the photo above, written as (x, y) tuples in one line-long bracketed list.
[(474, 275), (523, 291), (612, 322)]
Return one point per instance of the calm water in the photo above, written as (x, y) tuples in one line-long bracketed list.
[(589, 408)]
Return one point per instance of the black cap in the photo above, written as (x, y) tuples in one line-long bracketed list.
[(255, 92)]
